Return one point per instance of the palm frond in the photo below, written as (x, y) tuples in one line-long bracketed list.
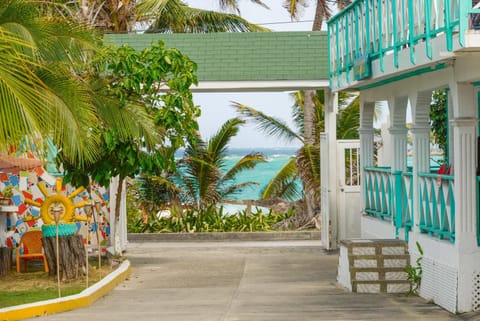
[(230, 190), (270, 126), (131, 120), (283, 184), (348, 120), (176, 17), (233, 4), (75, 111), (295, 7), (147, 8), (217, 144), (246, 162)]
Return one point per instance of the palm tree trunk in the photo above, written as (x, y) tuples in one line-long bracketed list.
[(309, 111), (309, 140)]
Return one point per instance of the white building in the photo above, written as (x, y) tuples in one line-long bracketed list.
[(400, 51)]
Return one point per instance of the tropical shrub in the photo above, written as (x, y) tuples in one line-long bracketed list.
[(209, 219)]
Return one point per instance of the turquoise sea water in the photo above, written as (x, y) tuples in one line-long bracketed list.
[(277, 158)]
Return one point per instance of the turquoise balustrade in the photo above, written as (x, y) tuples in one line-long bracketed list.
[(370, 29), (405, 218), (389, 196), (437, 205), (379, 192)]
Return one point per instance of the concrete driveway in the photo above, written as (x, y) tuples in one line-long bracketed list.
[(244, 281)]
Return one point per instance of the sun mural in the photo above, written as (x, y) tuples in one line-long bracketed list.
[(57, 208)]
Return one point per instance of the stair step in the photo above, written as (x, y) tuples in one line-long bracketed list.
[(378, 274), (374, 266), (377, 286), (377, 269), (380, 261), (375, 257)]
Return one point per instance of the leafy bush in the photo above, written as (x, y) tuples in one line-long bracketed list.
[(211, 219), (414, 273)]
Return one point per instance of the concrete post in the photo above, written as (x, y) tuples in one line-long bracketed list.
[(398, 132), (464, 171), (420, 104), (366, 143), (331, 107)]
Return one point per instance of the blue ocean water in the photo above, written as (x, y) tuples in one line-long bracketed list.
[(262, 173)]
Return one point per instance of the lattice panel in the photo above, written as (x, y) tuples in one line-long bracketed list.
[(476, 292), (439, 283)]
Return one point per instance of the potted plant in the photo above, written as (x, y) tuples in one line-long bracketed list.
[(6, 195)]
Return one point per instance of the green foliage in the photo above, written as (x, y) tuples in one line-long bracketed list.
[(202, 174), (414, 273), (348, 120), (306, 165), (284, 183), (209, 219), (13, 298), (41, 93), (179, 17), (438, 118), (140, 119), (142, 77)]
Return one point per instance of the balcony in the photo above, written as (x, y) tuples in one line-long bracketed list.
[(375, 40)]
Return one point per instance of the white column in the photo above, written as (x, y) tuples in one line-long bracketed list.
[(420, 104), (331, 107), (399, 148), (366, 133), (421, 163), (398, 132), (463, 164)]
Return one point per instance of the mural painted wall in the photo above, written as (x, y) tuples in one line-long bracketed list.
[(25, 185)]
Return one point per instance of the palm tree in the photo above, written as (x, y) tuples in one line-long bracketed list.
[(306, 164), (39, 94), (323, 10), (202, 171), (119, 16), (322, 13), (177, 17)]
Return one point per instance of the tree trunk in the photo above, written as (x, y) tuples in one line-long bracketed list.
[(118, 201), (71, 256), (5, 260), (309, 140)]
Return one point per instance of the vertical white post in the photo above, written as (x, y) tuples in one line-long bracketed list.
[(366, 132), (464, 163), (420, 104), (398, 132), (331, 107)]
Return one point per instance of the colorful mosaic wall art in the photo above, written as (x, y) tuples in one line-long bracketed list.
[(25, 185)]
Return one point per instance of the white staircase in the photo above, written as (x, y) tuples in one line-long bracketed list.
[(374, 266)]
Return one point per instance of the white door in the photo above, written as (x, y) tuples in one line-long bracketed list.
[(348, 189)]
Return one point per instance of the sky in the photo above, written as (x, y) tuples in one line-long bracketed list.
[(216, 107)]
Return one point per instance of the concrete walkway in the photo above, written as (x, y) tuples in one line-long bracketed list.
[(244, 281)]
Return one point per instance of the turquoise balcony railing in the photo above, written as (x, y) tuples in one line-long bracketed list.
[(405, 219), (437, 205), (379, 193), (389, 196), (369, 30)]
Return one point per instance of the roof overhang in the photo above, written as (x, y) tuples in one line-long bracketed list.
[(266, 85)]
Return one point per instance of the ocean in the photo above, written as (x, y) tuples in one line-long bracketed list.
[(262, 173)]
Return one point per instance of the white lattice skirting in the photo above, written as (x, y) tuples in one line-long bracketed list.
[(439, 283)]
